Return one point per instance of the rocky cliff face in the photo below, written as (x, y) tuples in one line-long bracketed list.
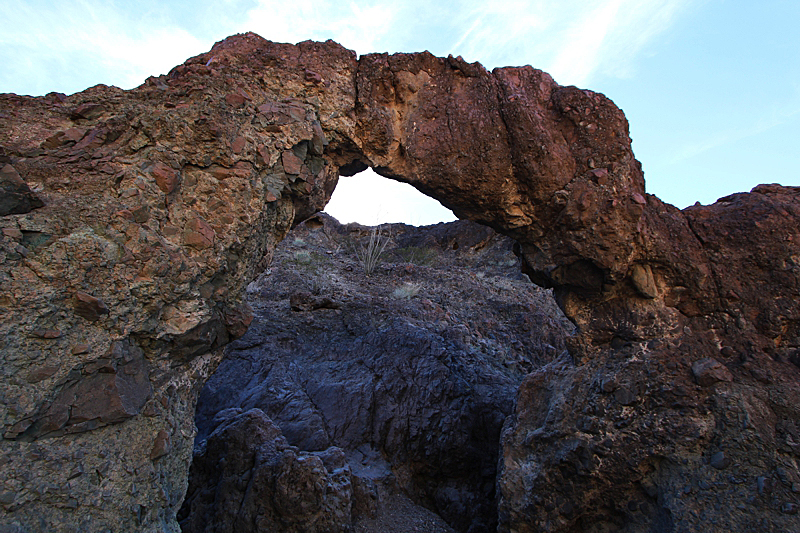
[(132, 220)]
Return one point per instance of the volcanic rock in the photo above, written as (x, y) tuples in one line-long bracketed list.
[(411, 375), (143, 232), (549, 166), (248, 478), (16, 197)]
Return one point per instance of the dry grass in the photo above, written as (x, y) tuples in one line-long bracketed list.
[(370, 254), (407, 291)]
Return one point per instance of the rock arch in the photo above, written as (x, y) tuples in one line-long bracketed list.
[(160, 203)]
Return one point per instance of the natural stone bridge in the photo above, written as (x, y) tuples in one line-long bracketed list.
[(132, 220)]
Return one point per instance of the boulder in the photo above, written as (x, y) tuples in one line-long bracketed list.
[(247, 477)]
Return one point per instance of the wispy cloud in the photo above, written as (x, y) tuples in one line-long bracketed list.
[(584, 40), (70, 46), (573, 39)]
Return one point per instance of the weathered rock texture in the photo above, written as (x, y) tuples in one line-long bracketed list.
[(117, 295), (410, 372), (161, 202), (687, 419), (248, 478)]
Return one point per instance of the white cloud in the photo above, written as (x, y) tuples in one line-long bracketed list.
[(360, 26), (69, 46), (84, 43), (572, 39), (583, 43)]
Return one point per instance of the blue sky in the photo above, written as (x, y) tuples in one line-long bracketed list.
[(711, 88)]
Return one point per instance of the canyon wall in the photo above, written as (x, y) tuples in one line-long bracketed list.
[(132, 220)]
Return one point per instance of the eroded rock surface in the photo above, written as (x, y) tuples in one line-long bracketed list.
[(248, 478), (411, 372), (161, 203), (119, 288), (686, 421)]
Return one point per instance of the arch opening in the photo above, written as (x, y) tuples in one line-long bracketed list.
[(369, 198)]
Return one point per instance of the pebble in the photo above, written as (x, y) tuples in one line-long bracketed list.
[(719, 461), (625, 396)]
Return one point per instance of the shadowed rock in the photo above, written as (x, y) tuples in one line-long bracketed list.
[(411, 375), (248, 478), (16, 198)]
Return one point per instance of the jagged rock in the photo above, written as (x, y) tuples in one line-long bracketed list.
[(16, 197), (709, 371), (248, 478), (578, 458), (153, 219), (412, 386), (106, 391), (305, 301), (89, 307), (550, 166)]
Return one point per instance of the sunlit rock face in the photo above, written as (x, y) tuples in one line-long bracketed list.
[(138, 217)]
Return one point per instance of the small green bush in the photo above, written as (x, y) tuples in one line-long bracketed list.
[(308, 261), (303, 257)]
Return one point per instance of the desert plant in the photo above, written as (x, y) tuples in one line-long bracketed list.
[(407, 290), (370, 254), (307, 261), (302, 257)]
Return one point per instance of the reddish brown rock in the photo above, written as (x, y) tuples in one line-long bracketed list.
[(38, 374), (236, 100), (238, 319), (88, 110), (291, 163), (199, 234), (108, 391), (652, 289), (89, 307), (708, 371), (238, 144), (147, 156), (47, 333), (161, 445), (166, 177), (79, 349)]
